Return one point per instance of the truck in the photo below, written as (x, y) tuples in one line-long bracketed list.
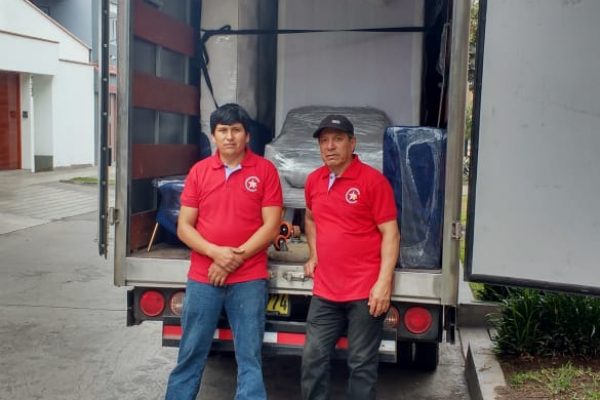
[(533, 183)]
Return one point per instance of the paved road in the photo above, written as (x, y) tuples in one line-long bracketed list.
[(62, 322), (63, 334)]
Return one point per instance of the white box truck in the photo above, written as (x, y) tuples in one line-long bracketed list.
[(534, 186)]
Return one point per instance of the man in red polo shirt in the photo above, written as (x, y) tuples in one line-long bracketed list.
[(230, 212), (354, 241)]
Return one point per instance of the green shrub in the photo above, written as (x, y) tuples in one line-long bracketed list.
[(571, 324), (533, 322), (487, 292), (517, 325)]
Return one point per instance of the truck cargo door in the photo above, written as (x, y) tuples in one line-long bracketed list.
[(534, 193), (104, 150), (158, 129)]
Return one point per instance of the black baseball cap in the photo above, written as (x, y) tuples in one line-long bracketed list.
[(335, 121)]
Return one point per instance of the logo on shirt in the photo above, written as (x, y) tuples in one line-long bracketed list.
[(251, 183), (352, 195)]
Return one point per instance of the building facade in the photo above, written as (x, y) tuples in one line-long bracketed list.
[(47, 111), (82, 18)]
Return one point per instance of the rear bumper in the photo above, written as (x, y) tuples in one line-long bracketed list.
[(285, 334), (279, 342)]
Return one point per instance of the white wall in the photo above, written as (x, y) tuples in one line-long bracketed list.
[(61, 101), (73, 97), (26, 123), (43, 107), (381, 70), (28, 54), (22, 17)]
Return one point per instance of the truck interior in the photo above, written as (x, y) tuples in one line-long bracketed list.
[(288, 63)]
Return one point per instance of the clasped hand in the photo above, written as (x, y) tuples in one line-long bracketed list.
[(225, 261)]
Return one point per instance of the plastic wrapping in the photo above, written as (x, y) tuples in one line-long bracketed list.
[(414, 163), (169, 202), (296, 154)]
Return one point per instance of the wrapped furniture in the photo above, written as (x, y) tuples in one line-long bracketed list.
[(414, 161), (296, 154), (169, 190)]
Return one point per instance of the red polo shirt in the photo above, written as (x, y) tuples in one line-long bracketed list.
[(346, 217), (230, 211)]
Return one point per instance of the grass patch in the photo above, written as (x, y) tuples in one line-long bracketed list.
[(521, 378), (550, 378), (86, 180), (560, 380)]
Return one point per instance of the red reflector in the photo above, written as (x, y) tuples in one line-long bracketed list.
[(417, 320), (342, 343), (290, 338), (225, 334), (152, 303), (172, 332)]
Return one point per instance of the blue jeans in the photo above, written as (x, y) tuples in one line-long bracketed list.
[(245, 305), (326, 322)]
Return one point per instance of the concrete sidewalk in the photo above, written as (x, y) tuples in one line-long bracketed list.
[(29, 199)]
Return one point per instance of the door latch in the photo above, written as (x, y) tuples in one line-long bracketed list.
[(294, 276), (457, 230), (113, 215)]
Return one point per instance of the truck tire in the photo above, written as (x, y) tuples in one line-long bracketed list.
[(404, 354), (427, 356)]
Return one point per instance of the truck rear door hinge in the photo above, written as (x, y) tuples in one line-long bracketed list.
[(113, 215), (457, 230)]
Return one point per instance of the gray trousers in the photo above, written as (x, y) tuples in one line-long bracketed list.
[(326, 321)]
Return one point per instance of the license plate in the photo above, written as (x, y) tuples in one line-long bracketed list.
[(278, 304)]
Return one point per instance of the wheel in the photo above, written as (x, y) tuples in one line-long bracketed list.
[(404, 354), (285, 229), (280, 243), (426, 356)]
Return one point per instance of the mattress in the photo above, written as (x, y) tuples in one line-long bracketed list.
[(296, 154)]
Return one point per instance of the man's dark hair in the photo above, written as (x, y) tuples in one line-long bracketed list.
[(229, 114)]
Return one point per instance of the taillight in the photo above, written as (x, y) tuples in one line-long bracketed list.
[(417, 320), (176, 303), (392, 318), (152, 303)]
